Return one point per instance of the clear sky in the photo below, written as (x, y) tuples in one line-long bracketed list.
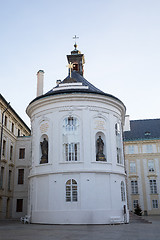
[(120, 40)]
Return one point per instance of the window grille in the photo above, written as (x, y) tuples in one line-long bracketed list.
[(122, 191), (153, 186), (134, 187), (71, 191)]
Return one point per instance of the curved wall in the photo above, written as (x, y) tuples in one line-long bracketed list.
[(96, 197)]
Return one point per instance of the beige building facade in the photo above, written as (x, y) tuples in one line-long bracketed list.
[(142, 158), (14, 133)]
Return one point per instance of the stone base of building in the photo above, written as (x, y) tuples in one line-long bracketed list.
[(80, 217)]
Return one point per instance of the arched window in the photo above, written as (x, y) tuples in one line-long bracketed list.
[(122, 191), (75, 66), (71, 191), (71, 139), (70, 124)]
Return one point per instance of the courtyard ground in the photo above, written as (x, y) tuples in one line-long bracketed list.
[(15, 230)]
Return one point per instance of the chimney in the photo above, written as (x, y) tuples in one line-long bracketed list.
[(40, 77), (127, 124)]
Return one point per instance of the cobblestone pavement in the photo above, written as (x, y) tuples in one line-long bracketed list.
[(14, 230)]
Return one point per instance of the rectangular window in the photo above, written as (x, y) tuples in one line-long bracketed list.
[(117, 129), (11, 152), (131, 149), (1, 177), (132, 167), (119, 158), (20, 176), (4, 148), (12, 128), (134, 187), (18, 132), (153, 186), (9, 180), (149, 148), (118, 143), (21, 153), (5, 121), (19, 207), (135, 202), (154, 203), (150, 165), (71, 152)]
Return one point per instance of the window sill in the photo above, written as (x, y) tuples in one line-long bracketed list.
[(43, 164), (101, 162), (70, 162), (120, 164)]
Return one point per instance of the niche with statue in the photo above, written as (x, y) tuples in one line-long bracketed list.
[(44, 149), (100, 147)]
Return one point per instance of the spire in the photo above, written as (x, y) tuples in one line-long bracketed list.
[(76, 58)]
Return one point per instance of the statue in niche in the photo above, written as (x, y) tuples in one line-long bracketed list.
[(44, 149), (100, 145)]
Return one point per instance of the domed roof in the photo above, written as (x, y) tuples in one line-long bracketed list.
[(77, 81), (76, 84)]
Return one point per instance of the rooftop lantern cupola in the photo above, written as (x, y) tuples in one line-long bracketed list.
[(77, 59)]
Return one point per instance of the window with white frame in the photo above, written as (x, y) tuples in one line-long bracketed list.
[(123, 198), (149, 148), (71, 139), (131, 149), (70, 124), (118, 143), (132, 167), (151, 165), (155, 203), (117, 129), (135, 202), (71, 191), (134, 187), (153, 186), (71, 151)]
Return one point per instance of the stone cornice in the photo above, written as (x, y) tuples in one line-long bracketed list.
[(78, 98)]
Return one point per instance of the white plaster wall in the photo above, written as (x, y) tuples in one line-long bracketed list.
[(99, 192)]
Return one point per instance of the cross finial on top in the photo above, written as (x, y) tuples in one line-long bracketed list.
[(75, 37), (75, 45)]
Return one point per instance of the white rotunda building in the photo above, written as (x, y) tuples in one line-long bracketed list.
[(77, 174)]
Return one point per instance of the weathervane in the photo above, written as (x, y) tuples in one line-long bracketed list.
[(75, 45), (70, 67)]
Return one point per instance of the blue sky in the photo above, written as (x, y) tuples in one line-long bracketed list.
[(120, 40)]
